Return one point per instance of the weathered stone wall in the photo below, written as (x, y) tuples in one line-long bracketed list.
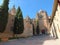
[(43, 20), (56, 23), (28, 25), (8, 31), (28, 29)]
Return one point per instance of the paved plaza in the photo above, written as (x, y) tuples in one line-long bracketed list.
[(34, 40)]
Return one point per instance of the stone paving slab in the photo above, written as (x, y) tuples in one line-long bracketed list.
[(35, 40)]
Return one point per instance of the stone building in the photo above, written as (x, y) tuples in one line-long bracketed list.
[(55, 23), (28, 29), (34, 26), (29, 24), (43, 20), (8, 31)]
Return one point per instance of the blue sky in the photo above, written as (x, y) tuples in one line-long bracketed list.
[(31, 7)]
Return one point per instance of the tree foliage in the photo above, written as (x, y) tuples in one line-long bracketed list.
[(18, 24), (4, 15), (37, 28), (33, 29)]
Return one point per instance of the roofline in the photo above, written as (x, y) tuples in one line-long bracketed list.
[(54, 10)]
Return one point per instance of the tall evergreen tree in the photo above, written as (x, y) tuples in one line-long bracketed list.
[(33, 29), (18, 24), (4, 15), (37, 28)]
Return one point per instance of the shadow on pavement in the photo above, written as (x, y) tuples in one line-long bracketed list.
[(34, 40)]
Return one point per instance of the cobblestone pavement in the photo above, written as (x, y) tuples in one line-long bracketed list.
[(34, 40)]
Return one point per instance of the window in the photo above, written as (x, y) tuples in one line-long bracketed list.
[(41, 16)]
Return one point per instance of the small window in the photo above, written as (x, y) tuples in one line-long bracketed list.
[(12, 19), (41, 16)]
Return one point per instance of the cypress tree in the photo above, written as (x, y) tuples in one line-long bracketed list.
[(18, 24), (33, 29), (37, 28), (4, 15)]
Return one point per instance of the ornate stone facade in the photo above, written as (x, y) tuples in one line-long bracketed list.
[(43, 20)]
